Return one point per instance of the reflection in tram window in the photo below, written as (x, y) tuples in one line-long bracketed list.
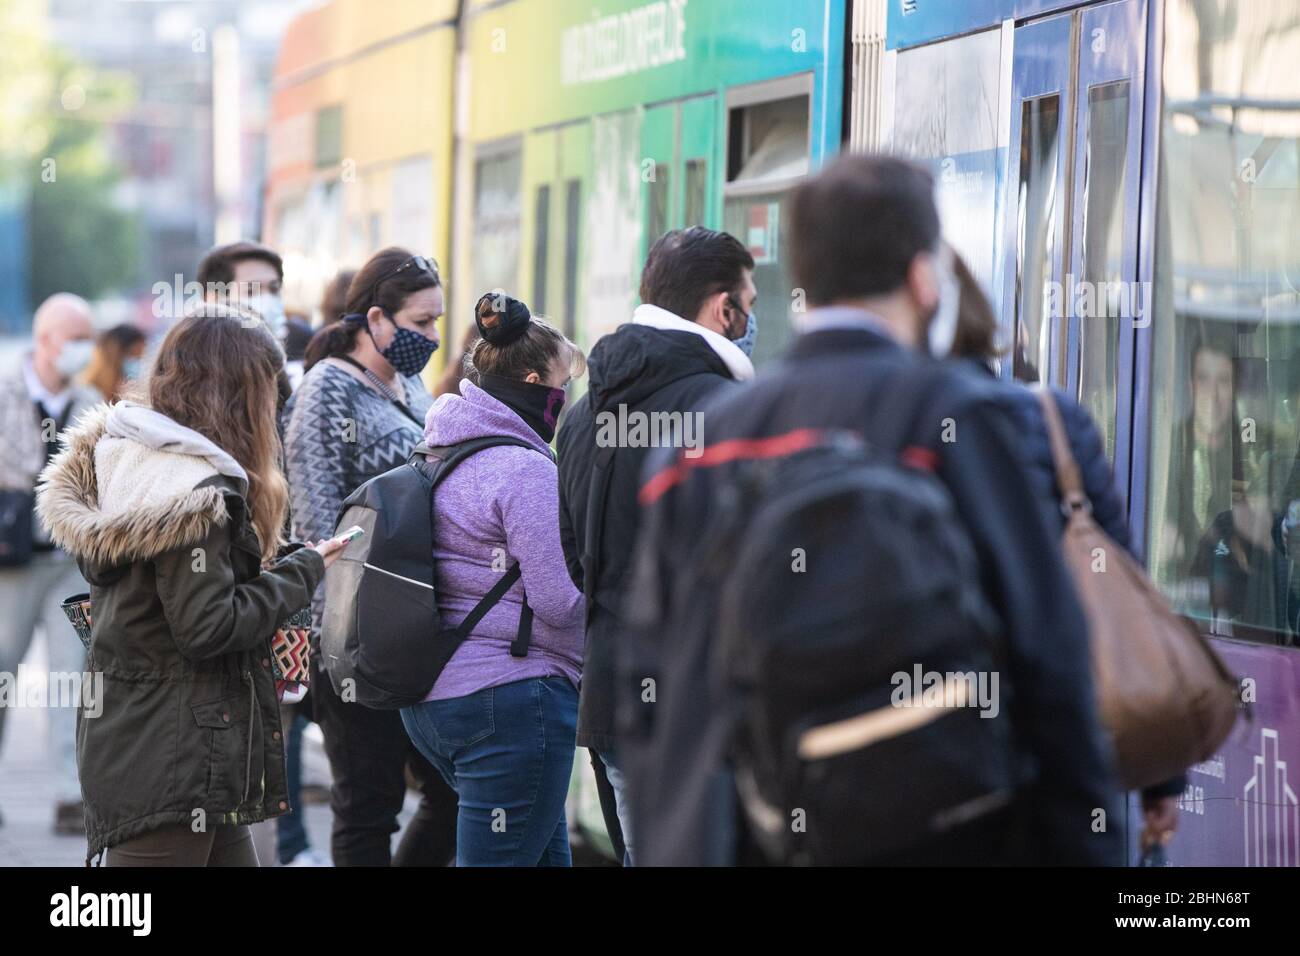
[(1103, 238), (1224, 491), (1036, 235)]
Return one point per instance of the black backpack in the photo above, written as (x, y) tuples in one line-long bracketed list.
[(846, 569), (382, 638)]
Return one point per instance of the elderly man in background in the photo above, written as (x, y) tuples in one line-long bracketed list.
[(39, 396)]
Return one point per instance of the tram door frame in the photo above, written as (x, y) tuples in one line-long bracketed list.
[(1107, 45)]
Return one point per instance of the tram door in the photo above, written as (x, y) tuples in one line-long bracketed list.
[(1071, 227)]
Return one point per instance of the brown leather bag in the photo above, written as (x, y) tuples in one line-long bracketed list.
[(1165, 696)]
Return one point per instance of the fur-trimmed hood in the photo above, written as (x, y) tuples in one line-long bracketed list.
[(130, 483)]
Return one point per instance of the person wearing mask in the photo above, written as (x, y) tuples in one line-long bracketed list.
[(174, 511), (117, 360), (358, 413), (866, 250), (976, 348), (250, 275), (39, 396), (688, 339), (501, 727)]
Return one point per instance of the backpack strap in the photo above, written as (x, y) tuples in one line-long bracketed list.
[(448, 457), (1068, 480)]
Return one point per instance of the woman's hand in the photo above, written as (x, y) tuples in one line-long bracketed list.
[(329, 549), (1160, 820)]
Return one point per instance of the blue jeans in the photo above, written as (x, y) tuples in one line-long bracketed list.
[(618, 782), (508, 753), (290, 831)]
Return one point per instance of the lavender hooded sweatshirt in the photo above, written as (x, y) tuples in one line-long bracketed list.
[(501, 498)]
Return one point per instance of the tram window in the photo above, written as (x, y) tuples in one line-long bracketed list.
[(659, 194), (541, 233), (496, 220), (1037, 232), (572, 225), (769, 141), (767, 152), (1103, 236), (697, 177), (1224, 473)]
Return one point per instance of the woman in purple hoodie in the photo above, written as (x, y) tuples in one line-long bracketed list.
[(502, 728)]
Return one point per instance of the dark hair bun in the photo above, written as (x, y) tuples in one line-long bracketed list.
[(500, 318)]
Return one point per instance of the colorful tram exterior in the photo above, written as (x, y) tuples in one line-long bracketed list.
[(1123, 176), (577, 136), (1139, 164)]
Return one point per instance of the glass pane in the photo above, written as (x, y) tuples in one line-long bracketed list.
[(696, 182), (496, 221), (773, 140), (756, 220), (658, 223), (1103, 241), (1224, 478), (946, 116), (572, 209), (1036, 236), (541, 233)]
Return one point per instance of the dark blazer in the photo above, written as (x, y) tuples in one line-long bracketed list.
[(678, 778)]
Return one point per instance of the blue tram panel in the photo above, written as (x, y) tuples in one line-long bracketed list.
[(1111, 153)]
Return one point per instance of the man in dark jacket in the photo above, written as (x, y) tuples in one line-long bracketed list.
[(649, 380), (864, 236)]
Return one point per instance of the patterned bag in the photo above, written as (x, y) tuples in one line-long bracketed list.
[(290, 645), (291, 653)]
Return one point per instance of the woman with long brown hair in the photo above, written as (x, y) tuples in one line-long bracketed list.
[(174, 507)]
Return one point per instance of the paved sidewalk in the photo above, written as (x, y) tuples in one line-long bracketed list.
[(27, 790)]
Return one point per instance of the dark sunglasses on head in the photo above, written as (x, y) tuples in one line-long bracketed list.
[(418, 263)]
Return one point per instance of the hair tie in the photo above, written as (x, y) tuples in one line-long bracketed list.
[(500, 318), (356, 318)]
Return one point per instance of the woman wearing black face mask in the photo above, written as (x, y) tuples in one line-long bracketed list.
[(358, 413)]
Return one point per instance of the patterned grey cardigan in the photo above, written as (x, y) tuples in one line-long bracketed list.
[(338, 434)]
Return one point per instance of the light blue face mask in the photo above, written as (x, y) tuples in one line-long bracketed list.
[(132, 367), (746, 342)]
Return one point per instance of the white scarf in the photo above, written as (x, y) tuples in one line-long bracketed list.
[(737, 362)]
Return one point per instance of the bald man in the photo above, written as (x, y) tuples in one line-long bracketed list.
[(39, 396)]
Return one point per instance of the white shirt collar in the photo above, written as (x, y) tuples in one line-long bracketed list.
[(840, 317), (54, 402), (737, 362)]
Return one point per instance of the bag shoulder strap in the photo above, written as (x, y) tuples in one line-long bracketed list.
[(1069, 481), (448, 457)]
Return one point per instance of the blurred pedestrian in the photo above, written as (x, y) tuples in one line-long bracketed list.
[(866, 251), (697, 295), (174, 511), (498, 724), (250, 275), (117, 360), (297, 336), (976, 347), (39, 396), (358, 413)]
